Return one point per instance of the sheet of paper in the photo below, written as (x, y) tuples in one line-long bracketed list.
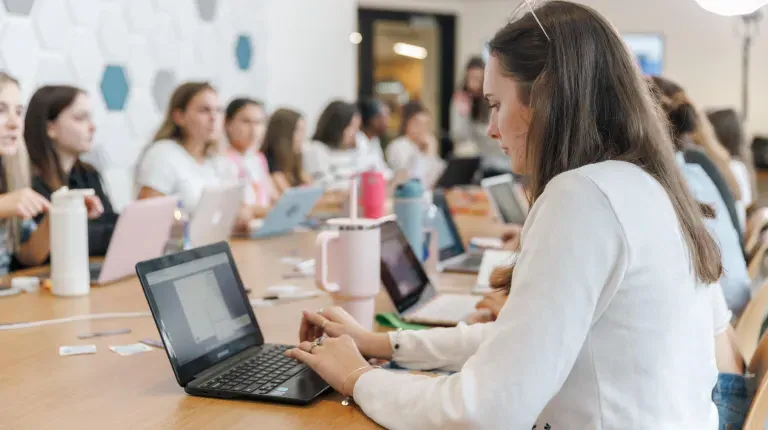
[(125, 350)]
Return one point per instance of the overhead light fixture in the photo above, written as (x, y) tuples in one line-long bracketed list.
[(732, 7), (412, 51), (355, 38)]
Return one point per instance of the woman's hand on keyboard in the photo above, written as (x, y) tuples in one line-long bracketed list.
[(335, 322)]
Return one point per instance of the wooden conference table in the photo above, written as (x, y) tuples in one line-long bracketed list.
[(41, 390)]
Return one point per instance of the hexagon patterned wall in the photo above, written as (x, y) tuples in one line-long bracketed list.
[(129, 55)]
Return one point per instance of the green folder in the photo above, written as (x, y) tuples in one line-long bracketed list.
[(391, 320)]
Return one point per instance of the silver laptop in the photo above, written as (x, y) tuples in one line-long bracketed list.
[(415, 298), (215, 215), (506, 198), (290, 211), (453, 256)]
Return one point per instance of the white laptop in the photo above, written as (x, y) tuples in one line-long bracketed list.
[(507, 198), (215, 215), (290, 211), (415, 298), (141, 233)]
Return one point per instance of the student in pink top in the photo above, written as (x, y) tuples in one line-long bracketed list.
[(245, 124)]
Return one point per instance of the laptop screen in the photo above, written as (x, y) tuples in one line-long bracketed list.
[(448, 239), (200, 307), (506, 201), (401, 271)]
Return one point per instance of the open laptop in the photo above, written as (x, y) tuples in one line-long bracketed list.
[(460, 171), (506, 198), (210, 334), (215, 215), (453, 256), (415, 298), (290, 211), (141, 233)]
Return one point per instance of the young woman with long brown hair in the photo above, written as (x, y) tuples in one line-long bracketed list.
[(283, 144), (609, 317)]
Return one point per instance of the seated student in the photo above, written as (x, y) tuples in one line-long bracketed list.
[(735, 279), (58, 128), (245, 124), (730, 133), (331, 154), (374, 117), (415, 151), (20, 237), (592, 337), (181, 160), (283, 144)]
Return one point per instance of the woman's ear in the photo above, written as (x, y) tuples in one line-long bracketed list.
[(50, 130), (178, 117)]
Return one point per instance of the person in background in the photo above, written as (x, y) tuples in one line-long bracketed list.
[(590, 335), (58, 128), (181, 160), (469, 120), (701, 147), (414, 153), (374, 117), (331, 155), (245, 123), (735, 282), (20, 236), (283, 144), (729, 131)]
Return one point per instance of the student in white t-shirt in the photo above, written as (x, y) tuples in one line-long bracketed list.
[(181, 160), (374, 117), (608, 323), (332, 154), (414, 153), (245, 123)]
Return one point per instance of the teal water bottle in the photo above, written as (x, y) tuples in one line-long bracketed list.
[(409, 208)]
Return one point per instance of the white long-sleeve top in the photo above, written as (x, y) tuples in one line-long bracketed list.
[(605, 326)]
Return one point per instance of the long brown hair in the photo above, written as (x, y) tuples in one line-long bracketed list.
[(278, 145), (180, 99), (45, 106), (591, 104), (14, 175), (729, 130), (480, 110)]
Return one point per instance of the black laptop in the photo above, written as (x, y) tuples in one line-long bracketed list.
[(211, 336), (459, 172)]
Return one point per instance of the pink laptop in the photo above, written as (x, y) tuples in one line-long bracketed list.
[(141, 233)]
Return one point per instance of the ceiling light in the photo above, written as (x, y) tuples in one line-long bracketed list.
[(408, 50), (732, 7), (355, 38)]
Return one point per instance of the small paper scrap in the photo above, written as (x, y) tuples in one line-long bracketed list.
[(77, 350), (126, 350)]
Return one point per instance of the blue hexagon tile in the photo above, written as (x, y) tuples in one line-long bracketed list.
[(19, 7), (207, 9), (243, 52), (114, 87)]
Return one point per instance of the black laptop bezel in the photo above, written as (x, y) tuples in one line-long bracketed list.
[(458, 246), (422, 294), (186, 373), (460, 171)]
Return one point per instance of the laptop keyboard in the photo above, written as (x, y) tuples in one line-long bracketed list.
[(260, 374)]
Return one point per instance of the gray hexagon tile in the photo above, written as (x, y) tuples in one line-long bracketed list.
[(113, 34), (207, 9), (141, 66), (84, 12), (19, 7), (53, 24), (143, 116), (19, 58), (114, 87), (54, 69), (85, 58), (140, 15), (162, 87)]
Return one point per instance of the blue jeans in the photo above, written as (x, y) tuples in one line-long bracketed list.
[(732, 395)]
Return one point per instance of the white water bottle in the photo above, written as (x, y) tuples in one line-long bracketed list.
[(70, 273)]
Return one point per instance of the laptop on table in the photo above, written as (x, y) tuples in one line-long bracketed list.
[(459, 172), (507, 198), (211, 335), (290, 211), (415, 298), (453, 257)]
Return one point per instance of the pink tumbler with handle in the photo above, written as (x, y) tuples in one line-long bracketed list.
[(373, 189)]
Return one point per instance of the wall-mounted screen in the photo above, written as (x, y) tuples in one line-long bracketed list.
[(648, 48)]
